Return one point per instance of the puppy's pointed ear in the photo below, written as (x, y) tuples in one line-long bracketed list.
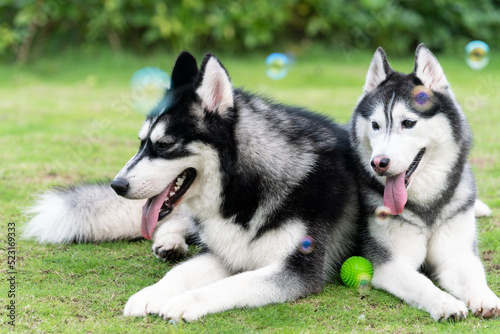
[(185, 70), (215, 88), (379, 71), (428, 70)]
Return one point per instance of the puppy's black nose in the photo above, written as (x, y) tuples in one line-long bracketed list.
[(380, 164), (120, 186)]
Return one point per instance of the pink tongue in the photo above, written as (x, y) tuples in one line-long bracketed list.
[(150, 212), (395, 195)]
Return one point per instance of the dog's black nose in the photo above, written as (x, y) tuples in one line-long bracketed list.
[(384, 162), (380, 164), (120, 186)]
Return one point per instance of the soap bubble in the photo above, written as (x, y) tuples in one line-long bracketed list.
[(306, 245), (382, 214), (477, 54), (149, 85), (422, 98), (277, 65)]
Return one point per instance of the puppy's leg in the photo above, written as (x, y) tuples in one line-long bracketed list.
[(170, 238), (194, 273), (399, 275), (453, 254), (416, 289)]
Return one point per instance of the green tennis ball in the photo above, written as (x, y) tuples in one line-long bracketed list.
[(356, 271)]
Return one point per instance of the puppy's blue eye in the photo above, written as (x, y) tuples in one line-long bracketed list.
[(375, 126)]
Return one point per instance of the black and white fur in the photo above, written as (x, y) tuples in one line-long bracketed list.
[(267, 175), (436, 232), (95, 213), (260, 170)]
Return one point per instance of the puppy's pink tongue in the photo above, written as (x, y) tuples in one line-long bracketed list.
[(395, 195)]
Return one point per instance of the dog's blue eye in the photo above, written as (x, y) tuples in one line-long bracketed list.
[(375, 126), (408, 123)]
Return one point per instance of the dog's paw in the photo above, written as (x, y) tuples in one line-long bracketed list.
[(147, 301), (448, 308), (185, 306), (170, 246), (486, 306)]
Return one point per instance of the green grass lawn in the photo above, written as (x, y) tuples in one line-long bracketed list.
[(66, 119)]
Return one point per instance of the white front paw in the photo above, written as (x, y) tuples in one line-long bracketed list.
[(185, 306), (147, 301), (447, 307), (486, 306)]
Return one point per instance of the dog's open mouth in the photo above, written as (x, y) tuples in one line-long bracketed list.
[(413, 166), (395, 194), (160, 206)]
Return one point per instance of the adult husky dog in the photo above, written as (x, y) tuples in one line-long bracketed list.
[(412, 140), (269, 189)]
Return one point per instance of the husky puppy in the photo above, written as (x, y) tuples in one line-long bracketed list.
[(412, 141), (268, 187)]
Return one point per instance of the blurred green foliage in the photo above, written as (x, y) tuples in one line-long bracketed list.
[(31, 26)]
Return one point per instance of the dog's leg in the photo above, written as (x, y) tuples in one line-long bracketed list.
[(170, 238), (197, 272), (266, 285), (453, 254), (399, 275)]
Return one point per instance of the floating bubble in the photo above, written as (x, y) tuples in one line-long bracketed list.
[(149, 85), (383, 213), (365, 284), (277, 65), (422, 98), (306, 245), (477, 54)]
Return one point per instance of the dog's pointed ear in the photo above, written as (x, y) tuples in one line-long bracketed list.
[(378, 71), (185, 70), (428, 70), (215, 88)]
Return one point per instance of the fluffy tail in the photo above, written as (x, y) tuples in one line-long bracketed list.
[(86, 213)]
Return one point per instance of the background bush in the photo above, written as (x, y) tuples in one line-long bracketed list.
[(29, 27)]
